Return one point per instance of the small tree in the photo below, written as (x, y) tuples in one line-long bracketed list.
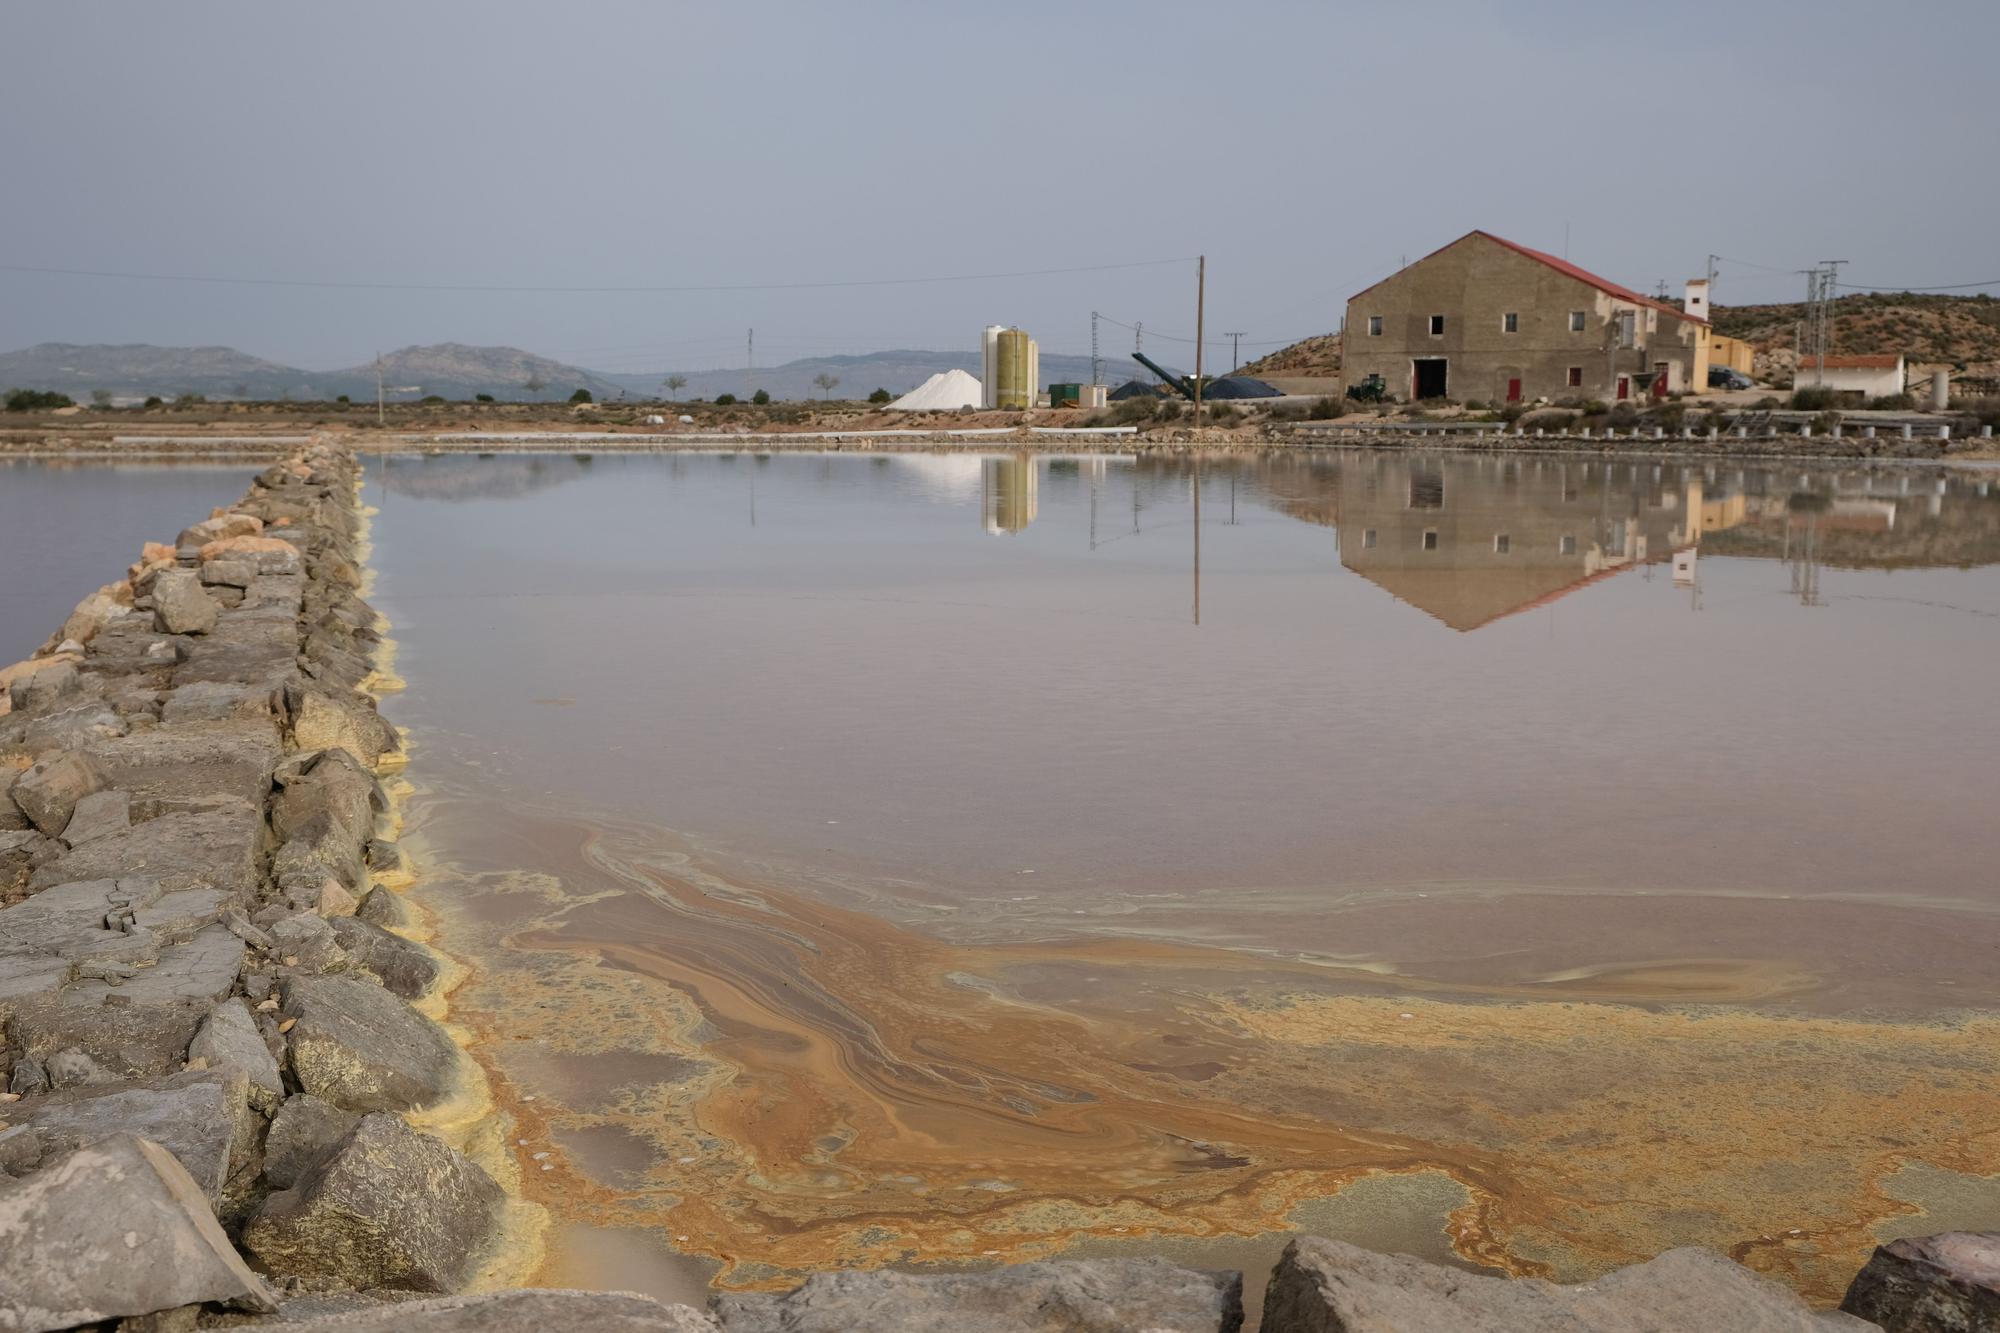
[(675, 383), (826, 383), (482, 397), (581, 396), (725, 400), (881, 396), (100, 397), (534, 384), (154, 400), (762, 397)]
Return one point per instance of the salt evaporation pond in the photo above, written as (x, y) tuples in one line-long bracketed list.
[(1534, 863), (70, 526)]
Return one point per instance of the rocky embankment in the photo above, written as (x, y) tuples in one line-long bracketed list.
[(216, 1074)]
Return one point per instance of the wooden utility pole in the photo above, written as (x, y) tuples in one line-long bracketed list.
[(381, 416), (1200, 303)]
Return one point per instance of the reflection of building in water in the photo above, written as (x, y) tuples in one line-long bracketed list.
[(1010, 485), (1472, 540)]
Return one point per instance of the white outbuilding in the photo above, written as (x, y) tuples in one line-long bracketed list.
[(1870, 376)]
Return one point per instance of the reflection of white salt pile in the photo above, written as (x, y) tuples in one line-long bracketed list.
[(951, 478), (946, 391)]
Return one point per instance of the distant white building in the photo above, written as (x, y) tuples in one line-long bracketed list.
[(1869, 376)]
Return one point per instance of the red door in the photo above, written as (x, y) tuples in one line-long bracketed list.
[(1514, 390), (1624, 387)]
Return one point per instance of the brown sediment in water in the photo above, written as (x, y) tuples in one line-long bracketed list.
[(783, 1086)]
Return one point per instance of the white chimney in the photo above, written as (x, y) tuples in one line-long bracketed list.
[(1697, 297)]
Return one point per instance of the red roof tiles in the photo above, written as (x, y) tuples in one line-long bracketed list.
[(1567, 269)]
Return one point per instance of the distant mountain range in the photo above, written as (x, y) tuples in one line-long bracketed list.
[(456, 371)]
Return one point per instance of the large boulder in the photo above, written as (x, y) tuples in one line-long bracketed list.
[(49, 791), (1087, 1296), (1327, 1286), (197, 1116), (530, 1311), (405, 967), (359, 1047), (325, 719), (302, 1132), (180, 606), (229, 1039), (386, 1207), (1948, 1283), (114, 1229)]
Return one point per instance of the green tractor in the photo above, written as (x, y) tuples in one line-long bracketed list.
[(1371, 390)]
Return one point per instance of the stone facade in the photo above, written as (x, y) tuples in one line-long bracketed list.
[(1485, 319)]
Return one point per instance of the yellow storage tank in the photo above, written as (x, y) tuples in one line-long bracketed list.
[(1015, 387)]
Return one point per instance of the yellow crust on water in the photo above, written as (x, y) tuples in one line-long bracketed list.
[(796, 1087)]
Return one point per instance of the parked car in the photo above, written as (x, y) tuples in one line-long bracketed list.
[(1722, 377)]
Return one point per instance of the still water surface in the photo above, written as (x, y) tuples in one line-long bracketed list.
[(68, 527), (1532, 862)]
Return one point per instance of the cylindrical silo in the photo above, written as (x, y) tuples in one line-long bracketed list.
[(1014, 384)]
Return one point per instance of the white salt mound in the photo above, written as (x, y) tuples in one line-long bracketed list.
[(946, 391)]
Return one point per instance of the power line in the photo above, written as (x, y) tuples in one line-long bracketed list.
[(1890, 288), (632, 288)]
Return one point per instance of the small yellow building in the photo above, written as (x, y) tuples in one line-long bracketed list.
[(1733, 353)]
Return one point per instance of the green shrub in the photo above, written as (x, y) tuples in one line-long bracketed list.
[(1168, 410), (1132, 411), (881, 396), (155, 400), (581, 396), (482, 397), (1984, 411), (1814, 398), (1549, 419), (723, 400), (343, 398), (762, 398), (1223, 413), (432, 398), (36, 400), (1893, 402), (1330, 407)]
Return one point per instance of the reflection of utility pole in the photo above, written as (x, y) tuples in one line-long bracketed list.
[(381, 416), (1197, 535)]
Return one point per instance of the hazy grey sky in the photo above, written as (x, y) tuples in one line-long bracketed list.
[(1303, 147)]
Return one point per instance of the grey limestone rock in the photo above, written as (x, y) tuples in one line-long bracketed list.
[(301, 1132), (1085, 1296), (49, 791), (229, 1039), (532, 1311), (198, 1116), (363, 1049), (1327, 1286), (97, 815), (1948, 1283), (385, 1207), (209, 849), (405, 967), (180, 606), (229, 573), (307, 942), (383, 907), (41, 689), (115, 1228)]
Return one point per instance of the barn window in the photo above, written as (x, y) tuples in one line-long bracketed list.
[(1368, 539), (1502, 543), (1437, 326), (1576, 377), (1567, 546), (1576, 321), (1374, 326), (1430, 539), (1510, 322)]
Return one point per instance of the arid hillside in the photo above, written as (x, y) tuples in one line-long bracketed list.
[(1961, 332), (1314, 356)]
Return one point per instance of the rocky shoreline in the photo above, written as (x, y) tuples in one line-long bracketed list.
[(218, 1076)]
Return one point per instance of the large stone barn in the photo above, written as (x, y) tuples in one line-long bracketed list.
[(1485, 319)]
